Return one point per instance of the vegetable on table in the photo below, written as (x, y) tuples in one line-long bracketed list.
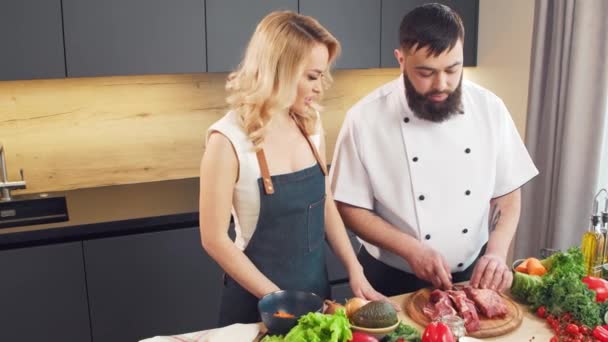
[(523, 267), (332, 306), (403, 333), (525, 287), (601, 333), (599, 286), (283, 314), (318, 327), (541, 312), (353, 305), (535, 267), (362, 337), (531, 266), (560, 290), (437, 332), (566, 329)]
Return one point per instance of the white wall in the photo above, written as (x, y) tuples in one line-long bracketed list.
[(503, 57)]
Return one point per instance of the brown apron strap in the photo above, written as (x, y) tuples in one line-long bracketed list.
[(312, 147), (268, 188)]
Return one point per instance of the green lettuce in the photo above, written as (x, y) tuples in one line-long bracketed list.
[(317, 327), (273, 338), (525, 287)]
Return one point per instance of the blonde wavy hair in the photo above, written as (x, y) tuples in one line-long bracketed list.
[(266, 80)]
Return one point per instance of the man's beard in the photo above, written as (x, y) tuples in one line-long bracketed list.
[(433, 111)]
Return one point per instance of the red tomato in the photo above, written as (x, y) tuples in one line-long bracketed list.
[(362, 337), (601, 294), (572, 329), (541, 312), (437, 332)]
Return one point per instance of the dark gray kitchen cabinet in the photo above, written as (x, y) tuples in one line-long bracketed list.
[(43, 294), (341, 292), (144, 285), (32, 40), (127, 37), (338, 277), (230, 24), (355, 23), (394, 10)]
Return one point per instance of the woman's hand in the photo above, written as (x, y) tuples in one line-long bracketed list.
[(363, 289)]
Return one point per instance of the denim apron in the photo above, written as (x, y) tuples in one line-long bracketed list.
[(288, 243)]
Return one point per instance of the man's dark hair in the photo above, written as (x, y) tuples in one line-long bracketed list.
[(435, 26)]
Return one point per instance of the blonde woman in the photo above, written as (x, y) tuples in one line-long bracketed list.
[(265, 162)]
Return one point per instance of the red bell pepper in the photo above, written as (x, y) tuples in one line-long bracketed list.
[(437, 332), (601, 333), (362, 337), (599, 286)]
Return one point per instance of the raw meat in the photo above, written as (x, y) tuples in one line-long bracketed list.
[(466, 310), (488, 301), (438, 306)]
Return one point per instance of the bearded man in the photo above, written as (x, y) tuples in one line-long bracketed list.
[(428, 168)]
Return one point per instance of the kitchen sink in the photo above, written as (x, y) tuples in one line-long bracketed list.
[(28, 210)]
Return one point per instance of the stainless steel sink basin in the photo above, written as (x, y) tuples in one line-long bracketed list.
[(32, 209)]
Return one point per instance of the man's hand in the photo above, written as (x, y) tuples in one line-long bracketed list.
[(431, 266), (492, 272)]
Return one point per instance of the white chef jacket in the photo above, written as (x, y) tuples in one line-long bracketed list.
[(433, 181)]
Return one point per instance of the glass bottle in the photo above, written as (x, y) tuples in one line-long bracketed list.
[(456, 325), (589, 245)]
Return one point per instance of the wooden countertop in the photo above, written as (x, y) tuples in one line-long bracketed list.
[(531, 326), (532, 329)]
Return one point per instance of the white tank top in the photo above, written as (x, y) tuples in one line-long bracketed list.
[(246, 195)]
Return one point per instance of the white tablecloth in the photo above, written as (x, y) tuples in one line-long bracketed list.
[(235, 332)]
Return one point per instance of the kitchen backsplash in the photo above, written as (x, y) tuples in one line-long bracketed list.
[(89, 132)]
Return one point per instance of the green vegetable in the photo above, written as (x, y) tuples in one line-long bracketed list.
[(375, 314), (525, 287), (604, 311), (317, 327), (561, 289), (404, 332)]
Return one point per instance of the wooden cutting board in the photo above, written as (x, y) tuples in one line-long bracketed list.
[(488, 327)]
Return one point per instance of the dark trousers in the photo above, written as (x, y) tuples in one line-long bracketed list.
[(391, 281)]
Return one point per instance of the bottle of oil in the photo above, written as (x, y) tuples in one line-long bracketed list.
[(589, 245), (604, 265), (600, 251)]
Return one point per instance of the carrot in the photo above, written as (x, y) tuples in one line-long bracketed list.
[(523, 267), (283, 314), (535, 267)]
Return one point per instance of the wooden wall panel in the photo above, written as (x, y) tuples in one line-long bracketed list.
[(89, 132)]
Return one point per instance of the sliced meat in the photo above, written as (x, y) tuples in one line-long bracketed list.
[(466, 310), (488, 301), (438, 306)]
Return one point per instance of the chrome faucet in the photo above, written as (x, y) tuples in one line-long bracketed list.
[(5, 185)]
